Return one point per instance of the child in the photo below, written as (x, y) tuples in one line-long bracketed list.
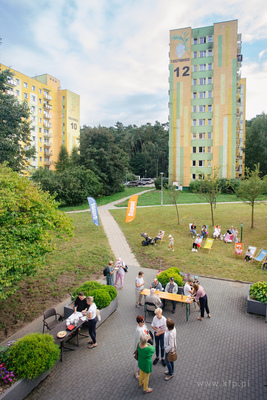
[(197, 243), (171, 243), (248, 255)]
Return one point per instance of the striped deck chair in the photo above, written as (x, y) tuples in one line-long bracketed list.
[(208, 244), (260, 257)]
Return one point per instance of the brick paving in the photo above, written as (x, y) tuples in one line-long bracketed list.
[(219, 358)]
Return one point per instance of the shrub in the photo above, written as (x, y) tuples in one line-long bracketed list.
[(258, 292), (164, 276), (194, 186), (3, 354), (158, 183), (32, 355), (93, 288)]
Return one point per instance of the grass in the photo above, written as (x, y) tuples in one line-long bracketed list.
[(75, 261), (101, 201), (221, 262)]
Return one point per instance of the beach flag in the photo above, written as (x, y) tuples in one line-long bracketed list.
[(131, 209), (93, 208)]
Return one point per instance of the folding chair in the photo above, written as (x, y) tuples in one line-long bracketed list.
[(48, 314), (260, 257), (150, 310), (208, 244), (162, 239)]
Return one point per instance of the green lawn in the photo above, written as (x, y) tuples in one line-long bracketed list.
[(220, 262)]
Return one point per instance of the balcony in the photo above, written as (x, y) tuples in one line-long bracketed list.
[(47, 144), (47, 162), (47, 96), (47, 106), (47, 153), (47, 115), (11, 82), (47, 124), (49, 135)]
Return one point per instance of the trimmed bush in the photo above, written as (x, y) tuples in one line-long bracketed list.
[(164, 276), (258, 292), (103, 294), (32, 355), (165, 183)]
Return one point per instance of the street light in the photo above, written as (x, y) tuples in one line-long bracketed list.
[(161, 174), (241, 233)]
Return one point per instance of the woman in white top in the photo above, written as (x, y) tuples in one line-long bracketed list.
[(169, 346), (92, 320), (141, 328), (159, 325)]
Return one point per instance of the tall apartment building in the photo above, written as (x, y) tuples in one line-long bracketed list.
[(55, 115), (206, 103)]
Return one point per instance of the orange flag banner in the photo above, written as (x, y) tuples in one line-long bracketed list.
[(131, 209)]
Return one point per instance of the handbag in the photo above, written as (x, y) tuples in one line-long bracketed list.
[(136, 353), (172, 355), (125, 268), (98, 315), (150, 341)]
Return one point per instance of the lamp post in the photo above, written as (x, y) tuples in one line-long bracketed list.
[(161, 174), (241, 233)]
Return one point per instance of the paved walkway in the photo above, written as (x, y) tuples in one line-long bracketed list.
[(219, 358)]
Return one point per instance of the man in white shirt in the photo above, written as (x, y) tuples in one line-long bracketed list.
[(188, 291), (139, 286)]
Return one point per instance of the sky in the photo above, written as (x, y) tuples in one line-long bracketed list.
[(114, 53)]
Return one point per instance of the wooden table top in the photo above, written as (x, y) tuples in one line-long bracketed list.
[(169, 296)]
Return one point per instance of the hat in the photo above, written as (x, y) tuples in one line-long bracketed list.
[(195, 277), (170, 236), (172, 279), (119, 259)]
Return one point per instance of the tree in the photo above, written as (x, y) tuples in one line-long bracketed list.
[(15, 131), (256, 144), (63, 161), (251, 188), (209, 188), (29, 221), (173, 196)]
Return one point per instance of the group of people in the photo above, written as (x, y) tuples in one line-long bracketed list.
[(203, 233), (120, 269), (87, 307), (160, 235)]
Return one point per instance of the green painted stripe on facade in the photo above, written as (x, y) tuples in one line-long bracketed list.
[(171, 123), (220, 50), (234, 93), (202, 60), (202, 102), (178, 101), (203, 74), (217, 125), (199, 129), (222, 88), (205, 31), (181, 98)]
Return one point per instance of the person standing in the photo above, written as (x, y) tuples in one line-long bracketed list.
[(120, 268), (141, 328), (202, 300), (110, 274), (139, 286), (92, 320), (170, 347), (80, 303), (171, 243), (171, 287), (159, 325), (145, 353)]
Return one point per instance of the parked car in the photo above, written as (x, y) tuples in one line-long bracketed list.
[(141, 183), (132, 183), (147, 181)]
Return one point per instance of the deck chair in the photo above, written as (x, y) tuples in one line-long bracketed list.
[(162, 239), (260, 257), (208, 244), (48, 314), (252, 250), (149, 309)]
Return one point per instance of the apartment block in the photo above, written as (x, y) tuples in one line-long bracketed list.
[(55, 115), (207, 99)]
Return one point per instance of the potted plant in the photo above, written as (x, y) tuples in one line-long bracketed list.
[(30, 359), (257, 298), (105, 298)]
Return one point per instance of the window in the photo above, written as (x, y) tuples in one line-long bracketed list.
[(195, 40), (201, 163), (32, 109), (17, 81), (209, 67), (202, 53), (201, 136), (194, 108), (202, 95), (40, 130), (25, 95), (194, 135), (209, 80), (40, 120), (195, 54), (209, 107), (194, 122), (209, 39), (209, 135), (40, 91), (201, 122), (208, 149), (202, 81), (40, 101), (40, 110), (63, 141), (209, 93), (209, 122), (41, 149), (201, 149), (33, 118), (33, 138), (33, 98), (208, 163), (63, 97), (41, 159), (40, 139), (193, 177), (193, 163), (194, 82), (33, 88), (202, 40), (63, 124), (201, 108), (209, 53), (194, 149), (202, 67), (194, 95), (17, 92), (194, 68), (25, 84)]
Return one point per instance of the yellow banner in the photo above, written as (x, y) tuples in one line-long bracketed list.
[(131, 209)]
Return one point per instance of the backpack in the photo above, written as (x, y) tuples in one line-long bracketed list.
[(105, 271)]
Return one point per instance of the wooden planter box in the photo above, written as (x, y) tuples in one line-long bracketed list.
[(256, 307), (105, 312), (22, 388)]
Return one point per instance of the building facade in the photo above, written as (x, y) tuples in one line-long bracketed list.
[(206, 103), (55, 115)]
